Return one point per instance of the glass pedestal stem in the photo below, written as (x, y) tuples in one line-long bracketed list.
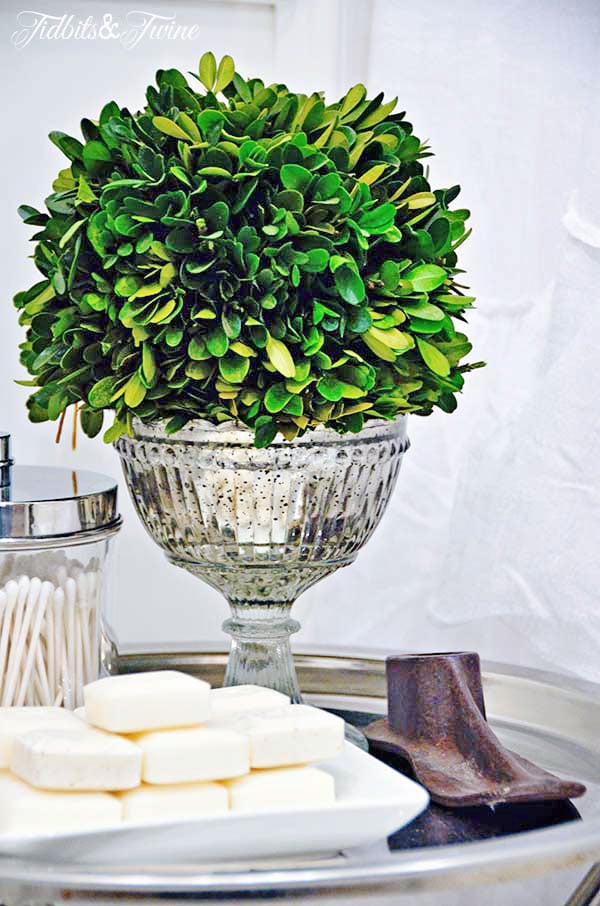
[(260, 648), (261, 654)]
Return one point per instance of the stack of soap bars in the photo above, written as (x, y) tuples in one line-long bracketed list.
[(161, 746)]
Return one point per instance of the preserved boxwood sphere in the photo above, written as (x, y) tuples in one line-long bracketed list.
[(238, 251)]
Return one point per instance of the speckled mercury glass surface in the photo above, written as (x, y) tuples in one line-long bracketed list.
[(261, 525)]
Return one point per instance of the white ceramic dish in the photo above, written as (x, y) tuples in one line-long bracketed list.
[(372, 802)]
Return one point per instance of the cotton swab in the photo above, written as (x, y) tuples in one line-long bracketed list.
[(5, 618), (29, 591), (50, 650), (70, 601), (59, 634), (22, 592), (39, 603), (41, 676), (78, 680), (34, 655), (49, 646)]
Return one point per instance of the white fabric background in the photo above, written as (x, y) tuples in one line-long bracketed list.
[(491, 541)]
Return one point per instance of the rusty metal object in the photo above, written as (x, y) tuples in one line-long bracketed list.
[(436, 721)]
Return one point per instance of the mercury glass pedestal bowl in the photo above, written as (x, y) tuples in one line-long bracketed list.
[(261, 525)]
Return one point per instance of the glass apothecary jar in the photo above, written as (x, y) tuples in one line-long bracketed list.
[(57, 529)]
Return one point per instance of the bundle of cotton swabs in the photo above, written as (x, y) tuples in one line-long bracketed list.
[(49, 635)]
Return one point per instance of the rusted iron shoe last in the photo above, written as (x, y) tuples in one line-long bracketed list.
[(436, 721)]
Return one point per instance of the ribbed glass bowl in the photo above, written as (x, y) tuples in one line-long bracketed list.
[(261, 525)]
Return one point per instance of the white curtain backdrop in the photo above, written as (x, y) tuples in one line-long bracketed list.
[(491, 541)]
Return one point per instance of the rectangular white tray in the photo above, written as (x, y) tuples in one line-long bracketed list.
[(372, 802)]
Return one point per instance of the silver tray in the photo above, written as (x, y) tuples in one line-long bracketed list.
[(551, 719)]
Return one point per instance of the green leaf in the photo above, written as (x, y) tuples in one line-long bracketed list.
[(433, 358), (168, 127), (148, 363), (85, 195), (135, 391), (349, 285), (173, 337), (276, 398), (425, 277), (290, 199), (116, 430), (390, 274), (180, 174), (126, 286), (167, 273), (225, 73), (101, 394), (317, 261), (419, 325), (217, 216), (95, 301), (440, 234), (31, 215), (328, 186), (217, 342), (395, 339), (331, 389), (210, 122), (381, 350), (372, 174), (378, 115), (242, 349), (189, 126), (96, 157), (419, 200), (197, 349), (164, 312), (91, 421), (181, 240), (353, 98), (265, 429), (424, 310), (280, 357), (232, 324), (214, 171), (294, 176), (70, 147), (378, 220), (207, 70), (360, 320), (234, 368), (199, 371)]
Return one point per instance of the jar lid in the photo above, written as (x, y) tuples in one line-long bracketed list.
[(40, 505)]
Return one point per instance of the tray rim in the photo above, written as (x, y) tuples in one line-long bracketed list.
[(534, 852), (131, 656)]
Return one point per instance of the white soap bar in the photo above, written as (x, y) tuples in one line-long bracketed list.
[(192, 754), (76, 759), (25, 810), (232, 701), (14, 721), (297, 787), (175, 802), (146, 701), (297, 734)]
